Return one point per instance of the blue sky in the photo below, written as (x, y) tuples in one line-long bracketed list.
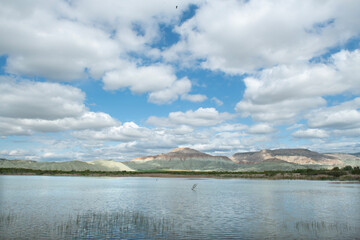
[(86, 80)]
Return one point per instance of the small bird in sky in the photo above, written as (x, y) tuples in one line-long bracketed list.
[(176, 6)]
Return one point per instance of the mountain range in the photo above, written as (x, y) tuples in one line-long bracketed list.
[(193, 160)]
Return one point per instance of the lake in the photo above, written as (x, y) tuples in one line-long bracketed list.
[(53, 207)]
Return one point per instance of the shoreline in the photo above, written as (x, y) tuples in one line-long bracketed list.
[(271, 176)]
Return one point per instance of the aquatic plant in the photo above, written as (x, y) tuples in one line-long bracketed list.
[(95, 225)]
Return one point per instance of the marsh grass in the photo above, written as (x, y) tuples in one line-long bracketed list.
[(137, 225), (94, 225), (7, 219), (318, 228)]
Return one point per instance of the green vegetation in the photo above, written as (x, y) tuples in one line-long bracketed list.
[(96, 225), (346, 173)]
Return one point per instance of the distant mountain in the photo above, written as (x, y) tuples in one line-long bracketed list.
[(183, 159), (346, 159), (298, 156), (193, 160), (99, 165), (182, 154), (280, 159)]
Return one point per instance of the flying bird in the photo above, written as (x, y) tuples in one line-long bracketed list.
[(176, 6)]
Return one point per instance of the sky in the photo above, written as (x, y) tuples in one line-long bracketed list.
[(115, 79)]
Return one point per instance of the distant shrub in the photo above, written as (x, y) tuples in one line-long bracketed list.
[(337, 173), (348, 168), (356, 170)]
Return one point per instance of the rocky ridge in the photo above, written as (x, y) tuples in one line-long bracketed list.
[(192, 160), (298, 156), (181, 154)]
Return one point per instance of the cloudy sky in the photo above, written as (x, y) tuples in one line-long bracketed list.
[(117, 79)]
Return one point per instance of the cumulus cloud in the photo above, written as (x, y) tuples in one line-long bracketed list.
[(56, 46), (342, 116), (339, 121), (282, 112), (281, 93), (230, 127), (198, 118), (26, 126), (345, 146), (32, 100), (159, 81), (67, 41), (19, 154), (261, 128), (120, 42), (140, 79), (243, 36), (27, 107), (170, 94), (310, 133), (127, 132)]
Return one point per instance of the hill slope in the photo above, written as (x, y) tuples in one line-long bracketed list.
[(193, 160), (183, 159), (100, 165), (298, 156)]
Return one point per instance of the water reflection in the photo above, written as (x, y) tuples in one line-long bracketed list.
[(147, 208), (137, 225)]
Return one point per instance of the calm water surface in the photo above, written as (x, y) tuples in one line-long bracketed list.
[(41, 207)]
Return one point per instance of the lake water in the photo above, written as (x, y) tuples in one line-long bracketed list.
[(45, 207)]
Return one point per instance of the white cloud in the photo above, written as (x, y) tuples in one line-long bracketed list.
[(140, 79), (310, 133), (200, 117), (228, 127), (27, 107), (194, 97), (338, 121), (170, 94), (127, 132), (350, 133), (117, 42), (343, 116), (261, 128), (217, 101), (67, 41), (57, 46), (19, 154), (345, 146), (281, 93), (26, 99), (243, 36), (226, 142), (281, 112), (159, 81), (27, 126)]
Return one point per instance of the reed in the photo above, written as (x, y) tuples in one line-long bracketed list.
[(95, 225)]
